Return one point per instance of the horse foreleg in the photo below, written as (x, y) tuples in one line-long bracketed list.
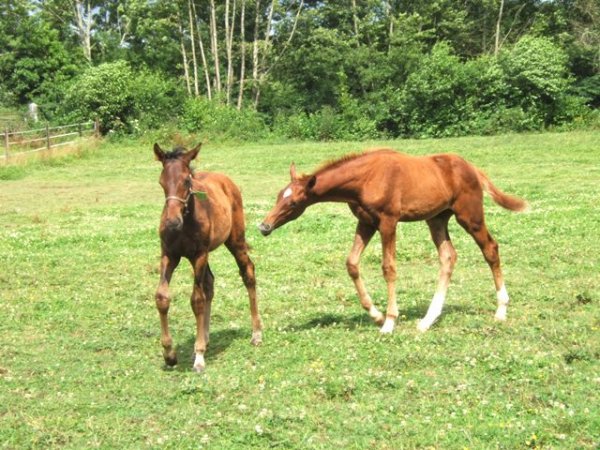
[(239, 251), (438, 226), (387, 229), (364, 233), (163, 301), (199, 306)]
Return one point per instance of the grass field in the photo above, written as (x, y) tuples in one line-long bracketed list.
[(80, 358)]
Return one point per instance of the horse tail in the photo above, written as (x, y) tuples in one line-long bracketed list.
[(506, 201)]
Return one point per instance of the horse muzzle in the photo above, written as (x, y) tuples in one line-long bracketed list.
[(265, 229), (174, 224)]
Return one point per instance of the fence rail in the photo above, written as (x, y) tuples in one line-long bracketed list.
[(23, 142)]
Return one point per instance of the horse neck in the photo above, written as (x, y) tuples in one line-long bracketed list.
[(339, 184)]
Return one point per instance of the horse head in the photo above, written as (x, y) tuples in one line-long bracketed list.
[(291, 202), (176, 181)]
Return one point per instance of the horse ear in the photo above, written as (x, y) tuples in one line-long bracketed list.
[(191, 155), (311, 183), (158, 153), (293, 171)]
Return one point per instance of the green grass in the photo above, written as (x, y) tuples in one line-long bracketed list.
[(80, 359)]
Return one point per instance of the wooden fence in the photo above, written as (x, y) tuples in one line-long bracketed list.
[(30, 141)]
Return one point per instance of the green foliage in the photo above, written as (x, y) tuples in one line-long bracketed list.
[(350, 70), (589, 90), (214, 120), (157, 100), (537, 75), (103, 92), (124, 101), (433, 100), (34, 62)]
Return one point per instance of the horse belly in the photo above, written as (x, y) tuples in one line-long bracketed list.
[(422, 204), (220, 225)]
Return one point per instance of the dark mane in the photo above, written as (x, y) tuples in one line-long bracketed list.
[(175, 153)]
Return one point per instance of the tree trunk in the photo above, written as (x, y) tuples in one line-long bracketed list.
[(355, 19), (202, 55), (229, 31), (214, 44), (498, 22), (243, 55), (255, 51), (85, 20), (194, 61), (186, 72), (266, 50)]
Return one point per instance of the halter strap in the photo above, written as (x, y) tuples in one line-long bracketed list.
[(174, 197), (184, 201)]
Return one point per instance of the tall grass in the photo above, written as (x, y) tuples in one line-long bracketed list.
[(80, 360)]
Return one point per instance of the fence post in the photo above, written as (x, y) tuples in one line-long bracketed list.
[(97, 128), (79, 129), (47, 137), (6, 144)]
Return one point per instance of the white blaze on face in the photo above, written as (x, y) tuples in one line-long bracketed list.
[(287, 192)]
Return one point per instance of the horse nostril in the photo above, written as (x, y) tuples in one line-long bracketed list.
[(175, 224), (265, 229)]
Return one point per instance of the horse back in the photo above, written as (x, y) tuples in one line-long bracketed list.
[(419, 187)]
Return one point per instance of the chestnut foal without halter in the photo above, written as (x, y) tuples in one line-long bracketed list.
[(202, 211), (384, 187)]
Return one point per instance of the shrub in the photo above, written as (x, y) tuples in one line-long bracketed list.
[(433, 101), (536, 71), (219, 121), (104, 92), (157, 100), (123, 100)]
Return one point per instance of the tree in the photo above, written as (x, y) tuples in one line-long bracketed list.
[(34, 62)]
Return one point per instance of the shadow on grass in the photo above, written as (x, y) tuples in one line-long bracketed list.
[(219, 342), (362, 319)]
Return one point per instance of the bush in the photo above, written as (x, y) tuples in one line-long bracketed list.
[(218, 121), (157, 100), (433, 102), (104, 92), (122, 100), (536, 71)]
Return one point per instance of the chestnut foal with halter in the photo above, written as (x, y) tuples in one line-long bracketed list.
[(384, 187), (202, 211)]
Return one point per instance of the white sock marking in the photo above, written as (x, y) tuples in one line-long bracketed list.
[(199, 363), (388, 325), (502, 295), (434, 311), (374, 312)]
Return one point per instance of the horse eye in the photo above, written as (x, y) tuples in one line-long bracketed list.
[(293, 203)]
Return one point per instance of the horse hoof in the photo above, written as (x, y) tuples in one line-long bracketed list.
[(500, 317), (423, 326), (171, 360), (388, 326), (256, 338), (198, 368), (379, 320)]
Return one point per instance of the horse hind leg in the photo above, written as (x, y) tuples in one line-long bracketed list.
[(209, 293), (438, 227), (239, 250), (363, 235), (474, 224)]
